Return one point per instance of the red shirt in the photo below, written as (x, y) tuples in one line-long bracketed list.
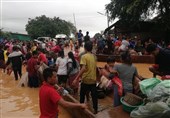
[(56, 49), (49, 98), (42, 57), (32, 62), (117, 43)]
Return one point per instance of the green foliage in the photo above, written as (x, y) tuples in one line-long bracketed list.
[(133, 11), (5, 34), (97, 35), (44, 26)]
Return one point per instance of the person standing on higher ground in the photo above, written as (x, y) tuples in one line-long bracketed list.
[(87, 37), (80, 38)]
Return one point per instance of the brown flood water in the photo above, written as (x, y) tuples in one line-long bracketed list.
[(23, 102)]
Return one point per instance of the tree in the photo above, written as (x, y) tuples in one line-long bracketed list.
[(97, 36), (6, 35), (44, 26), (133, 11)]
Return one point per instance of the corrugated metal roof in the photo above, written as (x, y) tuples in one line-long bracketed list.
[(22, 37)]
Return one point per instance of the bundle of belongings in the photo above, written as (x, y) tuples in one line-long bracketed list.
[(24, 78), (158, 94), (105, 86), (42, 67)]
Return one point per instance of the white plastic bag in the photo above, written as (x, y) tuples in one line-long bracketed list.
[(42, 67), (24, 80), (105, 83)]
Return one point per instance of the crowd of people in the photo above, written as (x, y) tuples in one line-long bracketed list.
[(117, 44), (72, 68)]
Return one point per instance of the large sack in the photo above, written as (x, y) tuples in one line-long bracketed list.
[(148, 84), (151, 110), (105, 82), (24, 80), (42, 67)]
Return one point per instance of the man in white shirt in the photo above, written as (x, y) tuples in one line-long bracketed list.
[(124, 45)]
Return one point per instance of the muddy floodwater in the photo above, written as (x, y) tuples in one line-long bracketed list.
[(23, 102)]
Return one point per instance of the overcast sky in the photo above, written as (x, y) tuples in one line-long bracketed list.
[(15, 13)]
